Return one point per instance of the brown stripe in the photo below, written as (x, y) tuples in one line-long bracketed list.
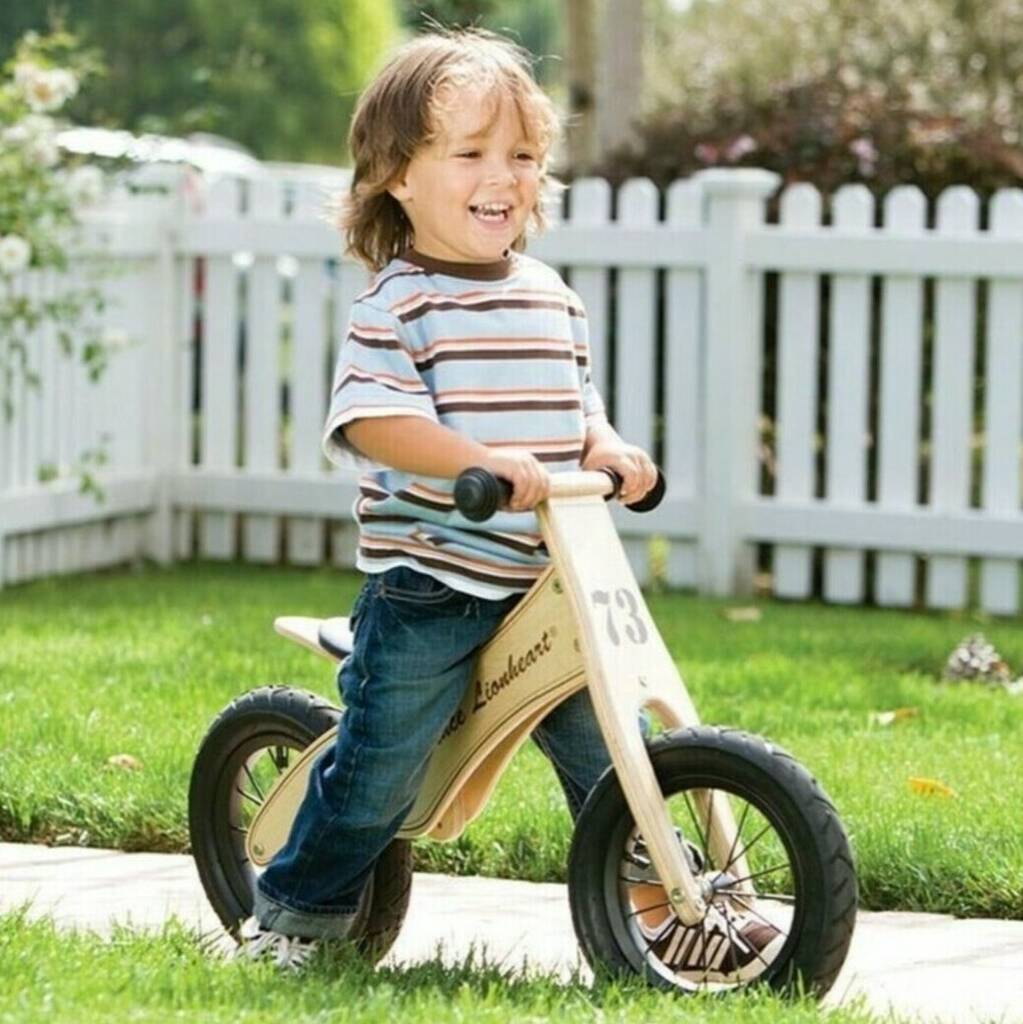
[(390, 277), (367, 379), (455, 570), (573, 455), (379, 517), (524, 546), (478, 307), (523, 406), (415, 499), (369, 342), (478, 355)]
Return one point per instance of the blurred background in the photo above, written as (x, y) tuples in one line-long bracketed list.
[(864, 425), (827, 91)]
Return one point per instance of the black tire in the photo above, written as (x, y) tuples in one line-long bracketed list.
[(815, 910), (250, 742)]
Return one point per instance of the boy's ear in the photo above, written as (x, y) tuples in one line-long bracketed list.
[(399, 189)]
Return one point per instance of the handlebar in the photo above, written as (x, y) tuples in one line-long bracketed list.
[(479, 493)]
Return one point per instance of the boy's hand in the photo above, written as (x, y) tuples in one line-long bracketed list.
[(530, 481), (632, 464)]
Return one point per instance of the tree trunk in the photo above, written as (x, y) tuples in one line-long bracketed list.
[(620, 83), (581, 65)]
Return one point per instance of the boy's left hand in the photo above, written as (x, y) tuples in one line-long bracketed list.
[(632, 464)]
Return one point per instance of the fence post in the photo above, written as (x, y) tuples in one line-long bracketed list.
[(163, 405), (734, 201)]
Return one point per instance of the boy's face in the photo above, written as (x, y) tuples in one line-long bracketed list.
[(469, 193)]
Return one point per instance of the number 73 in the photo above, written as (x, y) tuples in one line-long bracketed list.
[(625, 600)]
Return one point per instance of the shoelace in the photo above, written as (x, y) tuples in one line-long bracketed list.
[(288, 952)]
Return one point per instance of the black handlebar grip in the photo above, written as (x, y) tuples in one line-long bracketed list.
[(479, 494), (652, 498), (648, 502)]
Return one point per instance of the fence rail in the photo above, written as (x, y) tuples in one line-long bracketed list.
[(836, 398)]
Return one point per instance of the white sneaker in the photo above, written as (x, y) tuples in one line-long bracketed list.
[(727, 947), (288, 952)]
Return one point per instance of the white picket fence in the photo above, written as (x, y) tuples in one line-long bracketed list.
[(870, 454)]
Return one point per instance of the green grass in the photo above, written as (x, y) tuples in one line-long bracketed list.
[(139, 663), (162, 977)]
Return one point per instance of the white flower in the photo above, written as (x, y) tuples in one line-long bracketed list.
[(115, 338), (42, 89), (43, 150), (31, 126), (37, 134), (24, 72), (15, 254), (85, 185)]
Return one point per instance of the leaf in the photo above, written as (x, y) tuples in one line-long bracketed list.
[(931, 787), (742, 614), (125, 761), (890, 717)]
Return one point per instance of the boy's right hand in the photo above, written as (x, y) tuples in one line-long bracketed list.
[(531, 483)]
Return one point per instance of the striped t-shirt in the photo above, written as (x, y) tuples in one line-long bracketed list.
[(499, 353)]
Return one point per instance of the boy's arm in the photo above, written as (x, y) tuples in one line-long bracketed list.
[(420, 446)]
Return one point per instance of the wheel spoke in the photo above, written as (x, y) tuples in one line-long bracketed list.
[(731, 938), (653, 906), (672, 928), (756, 913), (280, 758), (696, 825), (760, 874), (255, 785), (248, 796), (742, 853), (735, 838), (773, 897)]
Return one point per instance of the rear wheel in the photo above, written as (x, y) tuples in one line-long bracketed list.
[(252, 742), (781, 896)]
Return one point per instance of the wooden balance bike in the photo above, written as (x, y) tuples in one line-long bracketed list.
[(705, 858)]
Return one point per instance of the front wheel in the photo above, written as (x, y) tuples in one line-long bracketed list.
[(253, 741), (781, 894)]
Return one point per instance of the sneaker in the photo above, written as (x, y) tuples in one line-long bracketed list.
[(288, 952), (726, 947)]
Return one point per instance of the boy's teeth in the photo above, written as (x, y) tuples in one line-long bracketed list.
[(490, 210)]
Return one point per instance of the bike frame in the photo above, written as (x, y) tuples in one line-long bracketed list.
[(583, 623)]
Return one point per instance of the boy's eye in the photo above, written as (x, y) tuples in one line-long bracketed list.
[(525, 155), (470, 153)]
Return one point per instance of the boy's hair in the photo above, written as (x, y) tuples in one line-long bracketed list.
[(396, 115)]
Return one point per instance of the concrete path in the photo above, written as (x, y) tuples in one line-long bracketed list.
[(923, 967)]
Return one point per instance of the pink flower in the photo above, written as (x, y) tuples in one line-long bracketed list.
[(740, 147), (706, 153), (866, 154)]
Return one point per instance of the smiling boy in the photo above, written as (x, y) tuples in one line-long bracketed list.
[(462, 352)]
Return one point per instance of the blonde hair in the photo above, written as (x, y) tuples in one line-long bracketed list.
[(397, 114)]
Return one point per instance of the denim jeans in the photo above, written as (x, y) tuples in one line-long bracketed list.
[(415, 646)]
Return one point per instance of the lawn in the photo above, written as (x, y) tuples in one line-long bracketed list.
[(158, 977), (138, 663)]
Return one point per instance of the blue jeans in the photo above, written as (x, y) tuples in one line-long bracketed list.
[(415, 646)]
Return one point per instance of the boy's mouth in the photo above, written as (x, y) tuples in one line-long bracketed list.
[(491, 213)]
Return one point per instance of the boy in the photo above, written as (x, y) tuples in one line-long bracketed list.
[(462, 352)]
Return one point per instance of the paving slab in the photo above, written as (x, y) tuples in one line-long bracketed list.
[(926, 967)]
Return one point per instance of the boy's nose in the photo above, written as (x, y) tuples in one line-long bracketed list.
[(501, 173)]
